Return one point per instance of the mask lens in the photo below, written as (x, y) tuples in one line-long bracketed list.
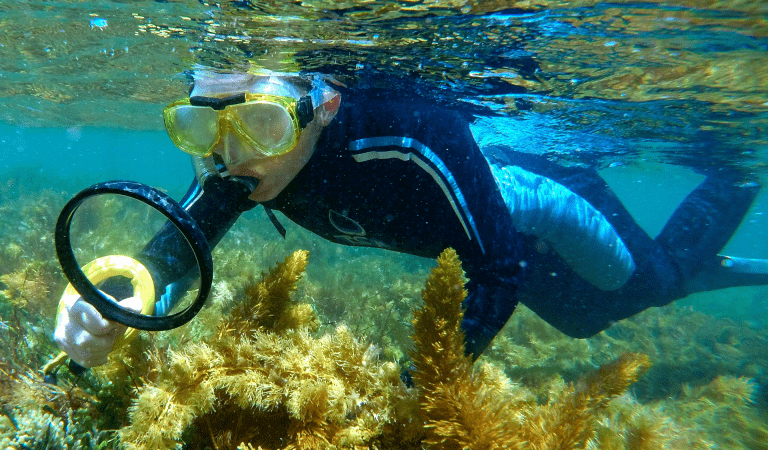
[(193, 129), (268, 124)]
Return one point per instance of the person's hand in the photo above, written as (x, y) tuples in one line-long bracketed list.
[(84, 334)]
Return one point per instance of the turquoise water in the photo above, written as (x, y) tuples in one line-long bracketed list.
[(76, 157), (651, 94)]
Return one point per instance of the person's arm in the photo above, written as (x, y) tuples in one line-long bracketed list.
[(490, 302), (492, 253), (215, 207), (87, 337)]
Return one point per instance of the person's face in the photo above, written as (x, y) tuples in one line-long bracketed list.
[(275, 172)]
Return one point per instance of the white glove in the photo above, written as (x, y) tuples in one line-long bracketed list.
[(84, 334)]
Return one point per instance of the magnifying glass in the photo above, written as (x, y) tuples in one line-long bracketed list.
[(174, 216)]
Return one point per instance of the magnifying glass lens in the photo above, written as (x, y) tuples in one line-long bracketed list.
[(107, 226)]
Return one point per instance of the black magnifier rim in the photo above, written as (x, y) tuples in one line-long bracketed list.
[(175, 213)]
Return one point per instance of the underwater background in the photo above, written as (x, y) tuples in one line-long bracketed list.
[(652, 94)]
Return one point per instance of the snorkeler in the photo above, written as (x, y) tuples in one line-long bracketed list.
[(377, 171)]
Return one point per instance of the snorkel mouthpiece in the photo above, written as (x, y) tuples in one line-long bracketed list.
[(250, 182), (207, 167)]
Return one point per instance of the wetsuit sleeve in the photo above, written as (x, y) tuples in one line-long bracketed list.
[(215, 207), (492, 256), (489, 304)]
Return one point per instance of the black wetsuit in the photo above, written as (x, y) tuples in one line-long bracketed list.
[(409, 177)]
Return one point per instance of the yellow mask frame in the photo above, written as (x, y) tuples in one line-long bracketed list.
[(269, 124)]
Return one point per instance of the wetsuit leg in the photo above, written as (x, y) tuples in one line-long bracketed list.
[(681, 260), (702, 225), (568, 302)]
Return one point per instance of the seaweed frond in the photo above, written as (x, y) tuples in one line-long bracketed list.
[(437, 336), (254, 386), (29, 289), (462, 409), (571, 421), (613, 379), (268, 305), (730, 390), (726, 410)]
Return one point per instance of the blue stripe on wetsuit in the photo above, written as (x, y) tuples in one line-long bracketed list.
[(425, 158)]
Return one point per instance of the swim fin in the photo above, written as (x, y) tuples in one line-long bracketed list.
[(702, 225), (728, 271)]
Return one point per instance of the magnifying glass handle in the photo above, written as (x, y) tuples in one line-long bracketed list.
[(76, 368), (50, 369)]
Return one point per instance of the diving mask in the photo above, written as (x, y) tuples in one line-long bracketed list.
[(269, 124), (267, 119)]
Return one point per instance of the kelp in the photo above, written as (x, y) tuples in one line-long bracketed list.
[(572, 421), (268, 304), (705, 388), (461, 408), (35, 414), (266, 381), (29, 289), (701, 391), (466, 409), (687, 348)]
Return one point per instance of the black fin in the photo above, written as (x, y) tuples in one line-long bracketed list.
[(702, 225)]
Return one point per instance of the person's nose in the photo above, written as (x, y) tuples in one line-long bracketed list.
[(229, 147)]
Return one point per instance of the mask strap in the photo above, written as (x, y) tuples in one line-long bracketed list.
[(272, 218), (305, 111), (217, 103)]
